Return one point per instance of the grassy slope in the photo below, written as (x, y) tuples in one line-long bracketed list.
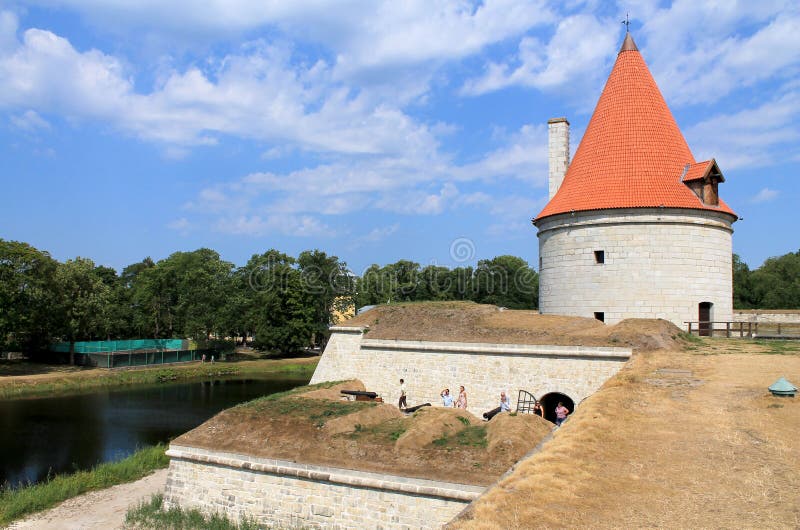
[(16, 503), (686, 439), (18, 386)]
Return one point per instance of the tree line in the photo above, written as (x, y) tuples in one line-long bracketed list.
[(285, 303), (774, 285)]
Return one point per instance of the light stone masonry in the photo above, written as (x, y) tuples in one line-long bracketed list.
[(286, 494), (484, 369), (659, 263), (766, 316), (558, 153)]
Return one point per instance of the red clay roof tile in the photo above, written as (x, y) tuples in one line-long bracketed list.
[(632, 154)]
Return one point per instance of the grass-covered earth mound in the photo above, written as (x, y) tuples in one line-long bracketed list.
[(471, 322), (313, 425)]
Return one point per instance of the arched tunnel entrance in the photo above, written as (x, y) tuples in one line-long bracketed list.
[(550, 402)]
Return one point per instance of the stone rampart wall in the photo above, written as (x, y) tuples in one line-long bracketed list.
[(484, 369), (281, 494)]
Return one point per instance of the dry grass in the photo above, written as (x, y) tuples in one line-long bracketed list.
[(316, 427), (470, 322), (686, 439)]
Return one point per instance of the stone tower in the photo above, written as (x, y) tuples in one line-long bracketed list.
[(636, 229)]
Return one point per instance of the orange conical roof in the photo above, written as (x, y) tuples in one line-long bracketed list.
[(632, 154)]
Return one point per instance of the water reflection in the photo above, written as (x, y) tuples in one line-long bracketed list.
[(57, 435)]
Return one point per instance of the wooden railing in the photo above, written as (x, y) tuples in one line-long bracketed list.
[(779, 330)]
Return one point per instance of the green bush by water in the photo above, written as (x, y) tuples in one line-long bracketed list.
[(19, 502)]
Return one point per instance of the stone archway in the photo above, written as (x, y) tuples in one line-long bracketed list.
[(550, 402)]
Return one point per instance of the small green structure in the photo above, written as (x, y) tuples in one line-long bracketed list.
[(783, 388), (137, 352)]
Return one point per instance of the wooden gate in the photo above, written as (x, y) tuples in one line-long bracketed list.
[(525, 402)]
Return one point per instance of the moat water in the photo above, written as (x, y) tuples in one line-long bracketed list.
[(48, 436)]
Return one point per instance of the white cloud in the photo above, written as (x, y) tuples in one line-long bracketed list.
[(765, 195), (523, 156), (257, 94), (30, 121), (256, 225), (380, 233), (752, 137), (8, 30), (180, 225), (577, 53), (361, 34), (740, 44)]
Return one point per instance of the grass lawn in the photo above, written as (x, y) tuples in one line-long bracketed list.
[(18, 380), (19, 502)]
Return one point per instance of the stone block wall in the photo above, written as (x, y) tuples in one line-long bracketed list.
[(659, 263), (767, 316), (289, 495), (484, 369)]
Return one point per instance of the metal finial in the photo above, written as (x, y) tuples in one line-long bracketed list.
[(627, 23)]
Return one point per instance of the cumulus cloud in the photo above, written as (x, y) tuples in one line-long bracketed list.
[(403, 185), (740, 45), (30, 121), (361, 34), (752, 137), (380, 233), (257, 225), (579, 48), (258, 94), (765, 195)]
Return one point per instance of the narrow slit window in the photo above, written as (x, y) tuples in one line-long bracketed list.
[(599, 315), (600, 256)]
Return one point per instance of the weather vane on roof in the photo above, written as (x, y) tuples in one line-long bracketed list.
[(627, 23)]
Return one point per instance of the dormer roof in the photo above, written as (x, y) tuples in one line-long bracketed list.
[(701, 170), (632, 155)]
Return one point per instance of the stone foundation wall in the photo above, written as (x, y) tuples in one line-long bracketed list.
[(484, 369), (291, 495), (767, 316)]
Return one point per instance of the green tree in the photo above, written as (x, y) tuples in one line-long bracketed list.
[(280, 308), (328, 284), (776, 284), (83, 302), (26, 296), (436, 283), (506, 281), (743, 297)]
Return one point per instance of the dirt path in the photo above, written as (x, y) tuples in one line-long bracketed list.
[(676, 440), (103, 509)]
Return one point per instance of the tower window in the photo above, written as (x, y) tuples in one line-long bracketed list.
[(600, 256), (599, 315)]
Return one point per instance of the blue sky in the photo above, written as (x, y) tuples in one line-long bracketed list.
[(371, 130)]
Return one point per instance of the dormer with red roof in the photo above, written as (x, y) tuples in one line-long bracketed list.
[(636, 226)]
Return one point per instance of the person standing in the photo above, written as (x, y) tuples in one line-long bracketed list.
[(505, 402), (462, 398), (561, 414), (447, 399), (537, 409), (402, 403)]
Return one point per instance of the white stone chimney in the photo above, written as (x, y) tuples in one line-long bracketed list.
[(558, 152)]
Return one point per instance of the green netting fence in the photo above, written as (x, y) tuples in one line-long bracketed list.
[(132, 358), (138, 352), (100, 346)]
